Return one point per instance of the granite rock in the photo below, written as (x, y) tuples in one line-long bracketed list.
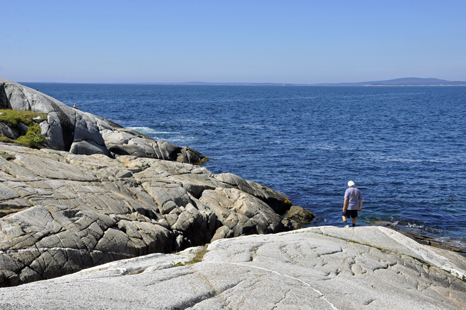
[(9, 132), (61, 212), (313, 268), (299, 214)]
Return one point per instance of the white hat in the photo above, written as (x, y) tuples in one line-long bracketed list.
[(350, 183)]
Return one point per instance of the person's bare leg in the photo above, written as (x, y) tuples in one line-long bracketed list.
[(344, 220), (354, 221)]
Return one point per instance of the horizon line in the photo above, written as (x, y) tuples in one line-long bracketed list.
[(406, 82)]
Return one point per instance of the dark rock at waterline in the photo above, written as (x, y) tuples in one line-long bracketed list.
[(421, 237), (299, 214), (291, 224)]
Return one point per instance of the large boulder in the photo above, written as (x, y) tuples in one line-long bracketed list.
[(62, 212), (314, 268), (78, 132)]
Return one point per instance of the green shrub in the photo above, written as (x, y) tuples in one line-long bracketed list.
[(179, 264), (13, 117), (5, 139), (32, 138)]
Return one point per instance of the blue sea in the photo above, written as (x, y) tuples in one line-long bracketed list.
[(404, 147)]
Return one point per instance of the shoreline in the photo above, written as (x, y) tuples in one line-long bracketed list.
[(420, 237), (417, 235)]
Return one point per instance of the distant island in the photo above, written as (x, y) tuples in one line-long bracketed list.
[(410, 81)]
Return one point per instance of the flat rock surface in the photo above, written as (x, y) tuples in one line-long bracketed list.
[(313, 268)]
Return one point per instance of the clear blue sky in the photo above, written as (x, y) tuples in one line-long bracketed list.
[(288, 41)]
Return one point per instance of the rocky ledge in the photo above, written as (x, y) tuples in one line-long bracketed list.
[(79, 132), (64, 212), (97, 192), (313, 268)]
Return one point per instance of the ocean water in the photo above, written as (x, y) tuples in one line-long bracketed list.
[(404, 147)]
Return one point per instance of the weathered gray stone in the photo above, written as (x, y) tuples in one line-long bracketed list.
[(86, 128), (52, 168), (9, 132), (88, 148), (235, 181), (304, 269), (241, 213), (53, 133), (61, 212), (7, 193)]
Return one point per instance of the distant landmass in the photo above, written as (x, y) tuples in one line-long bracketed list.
[(237, 84), (410, 81)]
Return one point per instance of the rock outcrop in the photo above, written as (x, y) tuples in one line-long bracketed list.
[(78, 132), (61, 212), (299, 214), (314, 268)]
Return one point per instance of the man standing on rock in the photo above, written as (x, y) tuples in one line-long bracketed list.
[(352, 203)]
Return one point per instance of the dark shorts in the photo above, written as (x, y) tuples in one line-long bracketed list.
[(350, 213)]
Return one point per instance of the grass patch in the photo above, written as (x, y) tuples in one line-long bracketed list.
[(13, 117), (196, 259), (33, 137), (179, 264), (199, 256)]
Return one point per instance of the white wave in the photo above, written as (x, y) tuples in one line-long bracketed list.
[(412, 225), (150, 131), (181, 139), (327, 147)]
